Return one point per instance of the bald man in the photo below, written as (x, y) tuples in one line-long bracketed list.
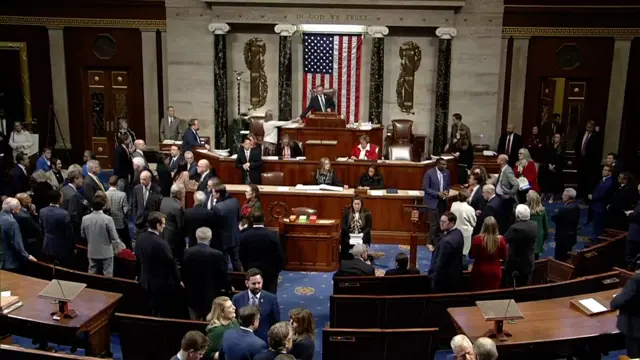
[(510, 143), (145, 199), (205, 172), (507, 189), (140, 146)]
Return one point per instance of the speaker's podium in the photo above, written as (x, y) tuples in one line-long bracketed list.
[(325, 120), (310, 245)]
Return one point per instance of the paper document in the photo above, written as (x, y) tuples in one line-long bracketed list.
[(244, 132), (283, 188), (592, 305), (376, 192), (269, 158), (414, 192), (318, 187), (301, 158), (355, 239), (5, 293), (342, 159), (169, 142), (489, 153)]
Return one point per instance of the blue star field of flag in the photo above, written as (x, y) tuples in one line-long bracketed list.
[(318, 54)]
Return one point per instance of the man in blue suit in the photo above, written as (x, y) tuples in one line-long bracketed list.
[(628, 304), (266, 301), (599, 200), (190, 138), (242, 343), (436, 185), (56, 223), (44, 161), (13, 253)]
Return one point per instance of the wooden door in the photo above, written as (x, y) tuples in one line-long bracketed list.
[(575, 96), (547, 104), (106, 101)]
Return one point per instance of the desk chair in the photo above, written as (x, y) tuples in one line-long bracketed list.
[(256, 127), (400, 152), (402, 132), (272, 178)]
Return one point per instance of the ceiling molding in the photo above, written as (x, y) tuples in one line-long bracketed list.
[(84, 22), (570, 32)]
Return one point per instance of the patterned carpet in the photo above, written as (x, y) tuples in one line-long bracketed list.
[(311, 290)]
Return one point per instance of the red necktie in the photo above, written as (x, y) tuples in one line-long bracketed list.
[(509, 144), (584, 145)]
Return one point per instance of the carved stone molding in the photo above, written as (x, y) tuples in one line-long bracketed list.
[(83, 22), (219, 28), (378, 31), (446, 33), (254, 51), (285, 29), (569, 32)]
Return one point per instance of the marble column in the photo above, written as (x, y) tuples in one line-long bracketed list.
[(502, 83), (617, 85), (220, 86), (165, 71), (518, 81), (285, 99), (59, 86), (376, 77), (150, 83), (443, 83)]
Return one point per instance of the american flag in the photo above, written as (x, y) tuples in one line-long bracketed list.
[(334, 61)]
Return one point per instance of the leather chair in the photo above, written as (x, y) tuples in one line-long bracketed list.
[(330, 92), (303, 211), (401, 152), (402, 131), (273, 178), (256, 127)]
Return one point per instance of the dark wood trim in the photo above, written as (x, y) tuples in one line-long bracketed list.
[(507, 86), (160, 73), (94, 9)]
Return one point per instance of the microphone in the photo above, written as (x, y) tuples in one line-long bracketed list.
[(514, 275)]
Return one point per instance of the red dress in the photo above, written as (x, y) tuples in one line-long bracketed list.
[(530, 173), (486, 272)]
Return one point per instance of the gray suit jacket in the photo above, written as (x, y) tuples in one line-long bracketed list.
[(100, 232), (171, 132), (508, 181)]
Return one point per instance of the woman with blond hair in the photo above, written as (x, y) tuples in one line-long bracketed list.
[(221, 318), (487, 248), (539, 215), (325, 175), (525, 167), (303, 334)]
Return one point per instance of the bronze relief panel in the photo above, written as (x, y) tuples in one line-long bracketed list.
[(410, 57), (254, 52)]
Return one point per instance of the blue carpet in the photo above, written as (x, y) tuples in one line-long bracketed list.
[(311, 290)]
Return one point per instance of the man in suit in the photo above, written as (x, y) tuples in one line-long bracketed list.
[(19, 175), (260, 249), (266, 301), (171, 126), (92, 183), (44, 161), (198, 217), (507, 189), (28, 223), (205, 173), (139, 165), (457, 127), (623, 199), (59, 243), (616, 168), (192, 167), (145, 199), (99, 231), (476, 200), (600, 199), (13, 253), (402, 266), (588, 148), (192, 347), (436, 185), (243, 342), (357, 265), (119, 211), (123, 167), (319, 102), (633, 234), (204, 273), (73, 201), (628, 305), (521, 238), (510, 143), (566, 219), (249, 160), (86, 156), (491, 207), (446, 262), (288, 149), (191, 138), (174, 232), (227, 214), (175, 158), (157, 270), (140, 148)]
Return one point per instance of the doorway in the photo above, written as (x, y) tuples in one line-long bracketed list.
[(106, 100), (562, 102)]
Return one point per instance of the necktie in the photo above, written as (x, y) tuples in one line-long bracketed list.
[(170, 121), (99, 183), (584, 145), (172, 161), (440, 180), (509, 144), (145, 195), (254, 300), (322, 102)]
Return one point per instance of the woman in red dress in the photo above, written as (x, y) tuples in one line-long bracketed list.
[(487, 249), (527, 168)]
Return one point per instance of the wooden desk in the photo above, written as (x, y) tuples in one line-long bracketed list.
[(317, 149), (165, 147), (347, 138), (549, 328), (33, 318), (310, 247), (396, 174), (490, 163)]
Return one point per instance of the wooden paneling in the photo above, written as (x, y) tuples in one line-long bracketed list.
[(347, 139), (595, 68), (629, 149), (101, 9), (572, 16), (80, 57)]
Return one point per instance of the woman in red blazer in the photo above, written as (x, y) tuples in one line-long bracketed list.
[(487, 249), (527, 168), (365, 150)]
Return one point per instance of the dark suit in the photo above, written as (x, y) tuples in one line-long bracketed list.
[(19, 181), (407, 271), (588, 162), (623, 198), (90, 187), (193, 172), (516, 145), (521, 238), (195, 218), (269, 310), (599, 200), (628, 303), (633, 236), (252, 176), (226, 234), (164, 179), (477, 200), (204, 272), (355, 267), (241, 344), (315, 105), (31, 232), (437, 206), (76, 206), (157, 273), (446, 262), (202, 182), (190, 138), (123, 168), (491, 208), (260, 248), (294, 150), (173, 163), (58, 235), (174, 231), (566, 219), (139, 209)]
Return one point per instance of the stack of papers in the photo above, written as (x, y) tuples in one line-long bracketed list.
[(342, 159), (489, 153), (269, 158), (355, 239), (593, 305), (376, 192), (9, 303), (318, 187)]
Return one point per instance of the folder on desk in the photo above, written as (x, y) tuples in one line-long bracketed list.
[(9, 303), (62, 290), (591, 306)]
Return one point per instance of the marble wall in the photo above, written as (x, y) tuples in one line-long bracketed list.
[(424, 85)]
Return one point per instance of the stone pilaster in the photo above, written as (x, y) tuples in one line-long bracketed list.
[(285, 98), (150, 86), (221, 112), (165, 71), (443, 84), (59, 86), (617, 85), (376, 77), (518, 81)]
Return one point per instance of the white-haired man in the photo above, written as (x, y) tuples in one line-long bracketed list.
[(206, 172), (174, 231), (462, 348), (13, 253), (485, 349), (521, 238), (92, 183), (197, 217), (566, 219), (145, 199), (139, 165), (358, 265), (192, 167)]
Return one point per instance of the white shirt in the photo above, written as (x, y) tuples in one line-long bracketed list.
[(246, 154), (440, 180), (170, 120), (258, 226), (322, 102), (153, 231), (251, 297), (271, 130), (584, 140), (363, 152), (20, 141)]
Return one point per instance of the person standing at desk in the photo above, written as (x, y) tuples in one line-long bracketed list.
[(318, 103), (270, 138), (190, 138), (436, 185), (355, 220), (325, 174), (249, 161), (365, 150)]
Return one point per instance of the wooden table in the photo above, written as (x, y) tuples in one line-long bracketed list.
[(90, 329), (310, 247), (347, 138), (396, 174), (550, 328)]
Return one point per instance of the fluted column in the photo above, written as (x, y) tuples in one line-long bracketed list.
[(376, 77), (518, 82), (442, 88), (59, 86), (285, 101), (617, 85), (220, 87)]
